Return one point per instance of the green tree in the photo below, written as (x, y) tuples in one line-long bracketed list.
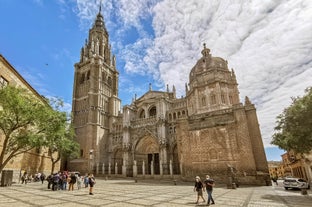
[(20, 114), (59, 135), (294, 125)]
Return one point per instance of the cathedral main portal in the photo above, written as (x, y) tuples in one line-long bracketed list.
[(146, 153)]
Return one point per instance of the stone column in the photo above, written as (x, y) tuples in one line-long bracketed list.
[(97, 168), (160, 168), (124, 168), (163, 156), (109, 168), (103, 168), (116, 168), (152, 168), (170, 168), (181, 167), (135, 168), (143, 168)]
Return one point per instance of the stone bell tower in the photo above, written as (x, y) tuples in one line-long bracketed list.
[(95, 98)]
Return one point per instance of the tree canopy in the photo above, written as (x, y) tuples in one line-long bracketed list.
[(59, 135), (27, 123), (19, 115), (294, 125)]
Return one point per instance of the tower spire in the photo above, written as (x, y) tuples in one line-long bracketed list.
[(100, 6)]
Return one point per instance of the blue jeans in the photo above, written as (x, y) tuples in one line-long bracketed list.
[(209, 192)]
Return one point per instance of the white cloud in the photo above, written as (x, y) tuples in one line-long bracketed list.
[(268, 43), (132, 11), (264, 42)]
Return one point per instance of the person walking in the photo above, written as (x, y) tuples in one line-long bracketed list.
[(24, 178), (209, 183), (72, 182), (199, 189), (42, 178), (91, 183), (86, 180)]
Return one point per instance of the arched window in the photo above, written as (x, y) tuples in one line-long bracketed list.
[(109, 81), (152, 111), (170, 117), (103, 76), (142, 114)]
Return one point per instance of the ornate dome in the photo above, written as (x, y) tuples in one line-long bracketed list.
[(208, 63)]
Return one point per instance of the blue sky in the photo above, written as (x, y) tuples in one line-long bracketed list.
[(267, 43)]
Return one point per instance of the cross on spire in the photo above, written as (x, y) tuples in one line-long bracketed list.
[(100, 6)]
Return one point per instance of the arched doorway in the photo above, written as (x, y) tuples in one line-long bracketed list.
[(117, 159), (147, 150)]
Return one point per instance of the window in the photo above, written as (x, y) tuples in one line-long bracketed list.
[(109, 81), (103, 76), (152, 111), (142, 114), (3, 82), (170, 117)]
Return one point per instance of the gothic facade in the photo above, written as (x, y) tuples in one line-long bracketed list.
[(209, 131)]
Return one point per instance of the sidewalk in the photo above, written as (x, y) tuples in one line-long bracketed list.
[(145, 193)]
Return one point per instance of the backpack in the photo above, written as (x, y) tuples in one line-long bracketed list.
[(56, 178)]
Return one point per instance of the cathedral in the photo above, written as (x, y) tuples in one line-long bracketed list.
[(159, 136)]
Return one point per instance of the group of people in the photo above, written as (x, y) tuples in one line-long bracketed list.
[(27, 178), (60, 180), (201, 187)]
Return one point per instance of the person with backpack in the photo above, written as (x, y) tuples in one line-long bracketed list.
[(209, 183), (50, 180), (55, 183), (91, 183), (72, 181)]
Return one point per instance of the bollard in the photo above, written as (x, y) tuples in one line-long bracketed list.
[(174, 182), (135, 180), (106, 178), (233, 185)]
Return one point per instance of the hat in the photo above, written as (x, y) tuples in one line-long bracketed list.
[(197, 177)]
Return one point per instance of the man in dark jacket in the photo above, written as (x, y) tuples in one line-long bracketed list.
[(209, 187)]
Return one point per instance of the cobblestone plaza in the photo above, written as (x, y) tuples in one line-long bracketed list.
[(149, 193)]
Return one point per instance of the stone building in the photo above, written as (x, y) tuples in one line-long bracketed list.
[(297, 165), (209, 131), (33, 161), (275, 169)]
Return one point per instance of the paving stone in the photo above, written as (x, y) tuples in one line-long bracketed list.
[(149, 193)]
